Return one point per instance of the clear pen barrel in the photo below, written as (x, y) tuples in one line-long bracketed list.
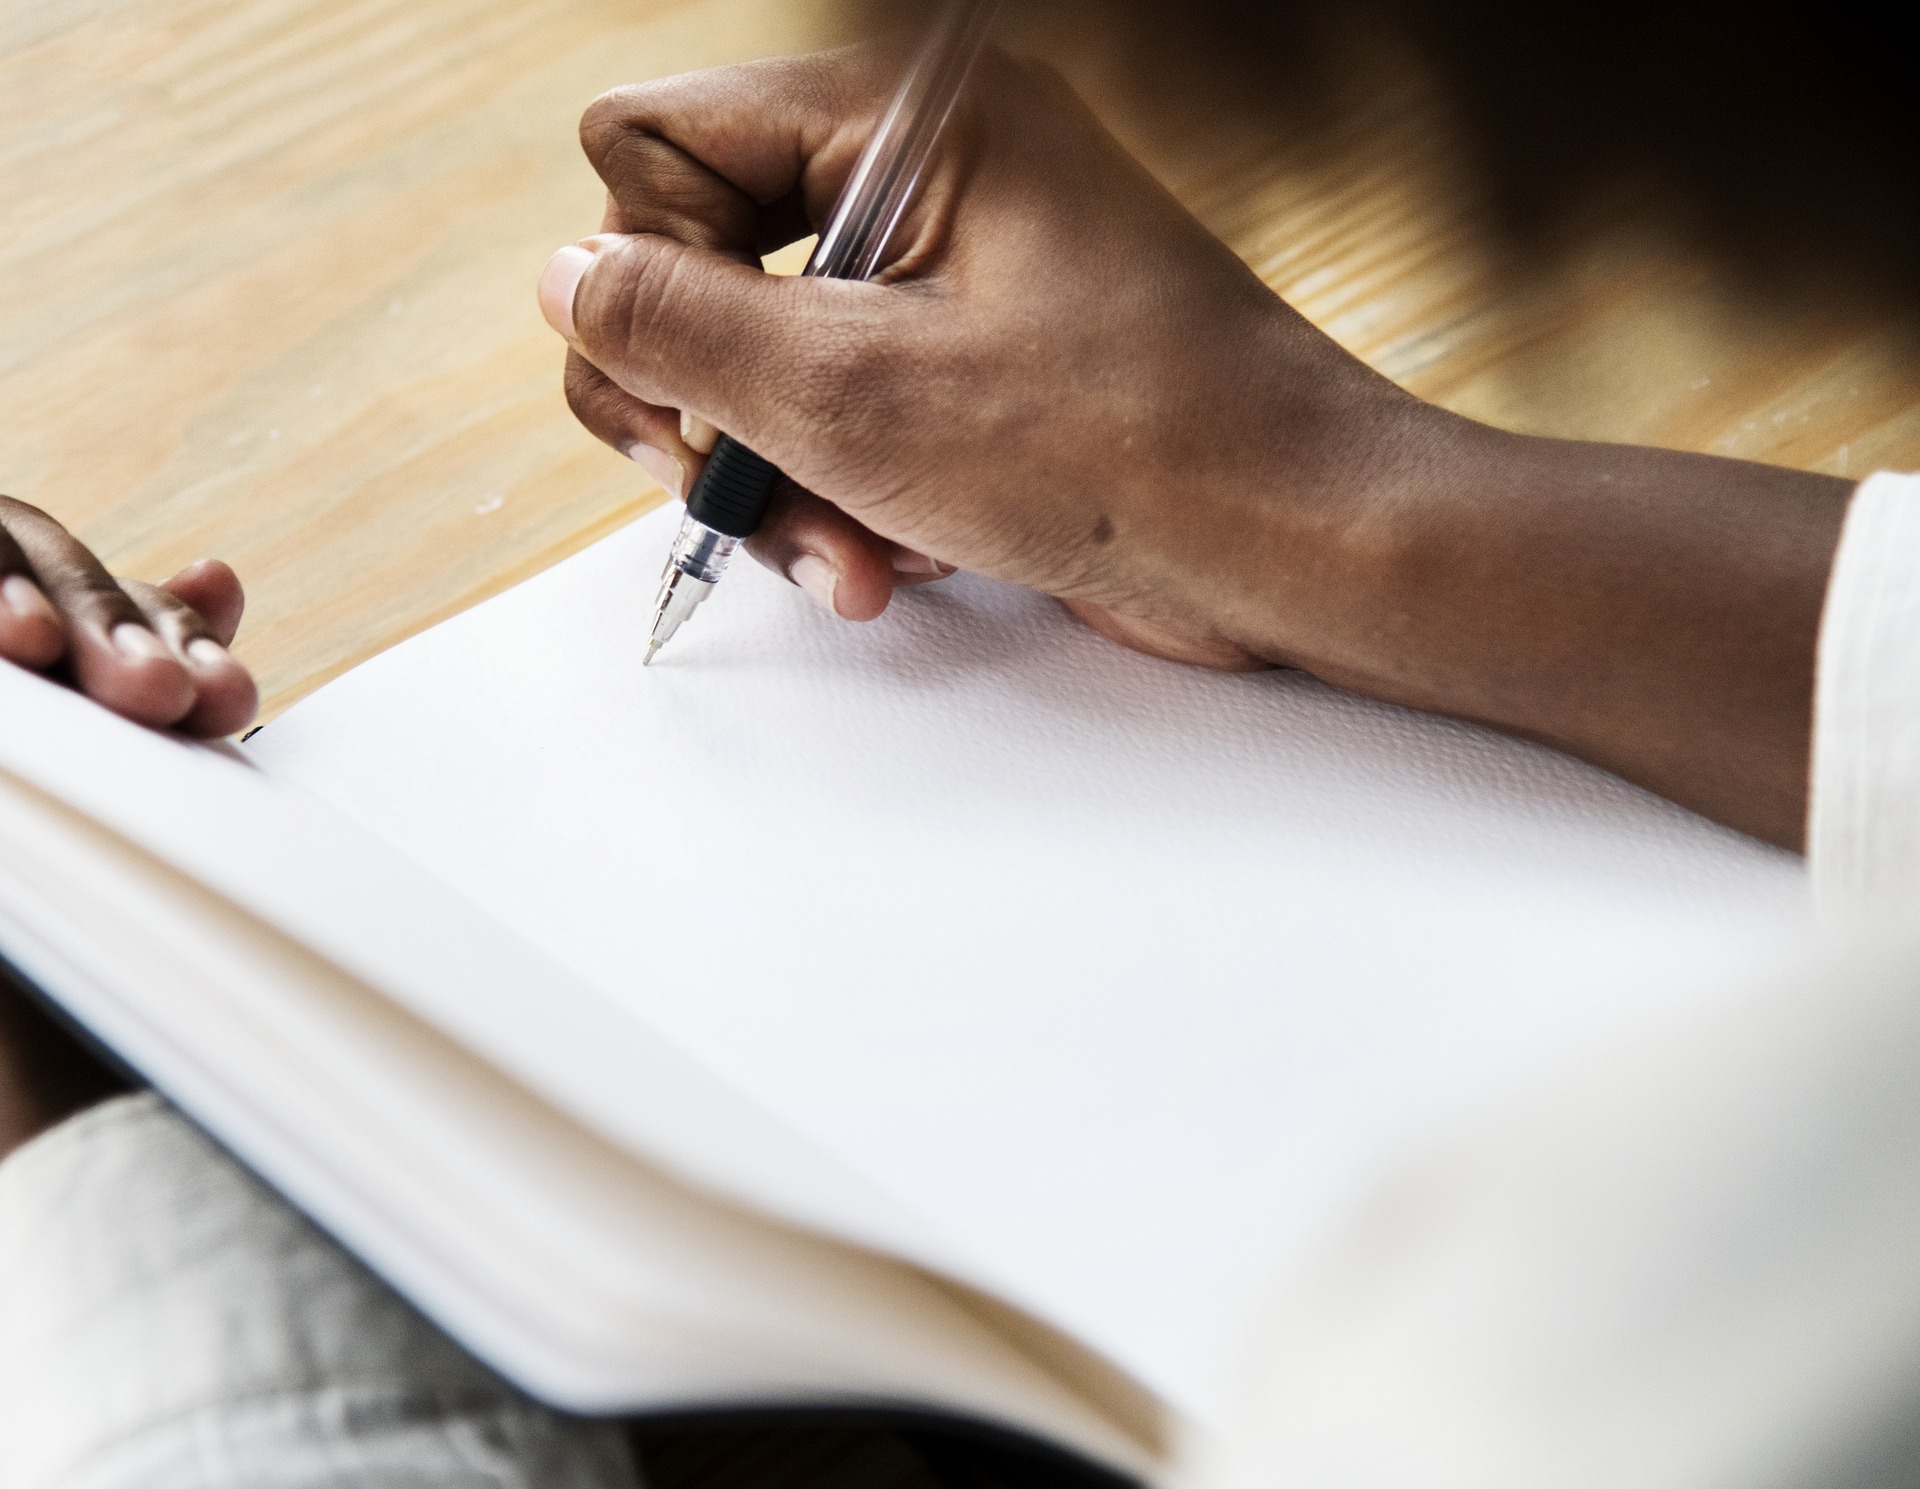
[(854, 242), (701, 553)]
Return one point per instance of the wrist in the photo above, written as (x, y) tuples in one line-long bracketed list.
[(1652, 611), (1330, 530)]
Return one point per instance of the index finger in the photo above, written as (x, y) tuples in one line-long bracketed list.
[(115, 657)]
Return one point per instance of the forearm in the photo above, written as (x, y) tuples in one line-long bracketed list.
[(1651, 611)]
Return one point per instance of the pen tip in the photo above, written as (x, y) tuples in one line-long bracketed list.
[(652, 648)]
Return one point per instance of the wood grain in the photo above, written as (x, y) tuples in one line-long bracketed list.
[(266, 291), (266, 280)]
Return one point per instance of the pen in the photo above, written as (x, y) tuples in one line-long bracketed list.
[(727, 502)]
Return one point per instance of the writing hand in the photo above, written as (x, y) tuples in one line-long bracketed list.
[(1063, 380), (1036, 389), (156, 654)]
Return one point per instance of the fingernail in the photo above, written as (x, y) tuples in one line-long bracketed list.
[(661, 466), (137, 643), (817, 577), (700, 436), (907, 561), (558, 281), (204, 651), (24, 598)]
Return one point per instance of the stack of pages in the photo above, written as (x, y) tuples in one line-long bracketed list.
[(956, 1013)]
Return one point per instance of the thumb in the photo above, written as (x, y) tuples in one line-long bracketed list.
[(686, 327)]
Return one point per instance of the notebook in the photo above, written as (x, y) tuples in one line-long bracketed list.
[(956, 1013)]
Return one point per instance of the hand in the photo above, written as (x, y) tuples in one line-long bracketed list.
[(156, 654), (1063, 380)]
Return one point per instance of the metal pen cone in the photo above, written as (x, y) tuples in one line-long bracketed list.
[(680, 594)]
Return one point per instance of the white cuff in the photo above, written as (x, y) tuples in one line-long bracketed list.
[(1863, 822)]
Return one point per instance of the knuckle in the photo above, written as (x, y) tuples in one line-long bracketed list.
[(173, 617), (658, 188), (149, 597), (63, 564), (12, 507), (609, 118), (634, 111), (95, 585), (93, 595)]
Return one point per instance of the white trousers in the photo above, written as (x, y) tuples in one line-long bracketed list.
[(168, 1323)]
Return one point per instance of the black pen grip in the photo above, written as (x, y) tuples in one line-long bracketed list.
[(732, 493)]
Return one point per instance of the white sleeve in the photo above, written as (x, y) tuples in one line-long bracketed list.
[(1688, 1263), (1863, 822)]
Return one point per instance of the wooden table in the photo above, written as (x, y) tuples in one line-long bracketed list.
[(267, 266)]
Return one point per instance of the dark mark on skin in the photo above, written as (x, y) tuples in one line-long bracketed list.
[(1103, 531)]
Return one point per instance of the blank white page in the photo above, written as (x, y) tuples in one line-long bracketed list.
[(1126, 977), (297, 866)]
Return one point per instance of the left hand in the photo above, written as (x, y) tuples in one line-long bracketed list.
[(153, 653)]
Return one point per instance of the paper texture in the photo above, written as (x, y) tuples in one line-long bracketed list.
[(1126, 977)]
